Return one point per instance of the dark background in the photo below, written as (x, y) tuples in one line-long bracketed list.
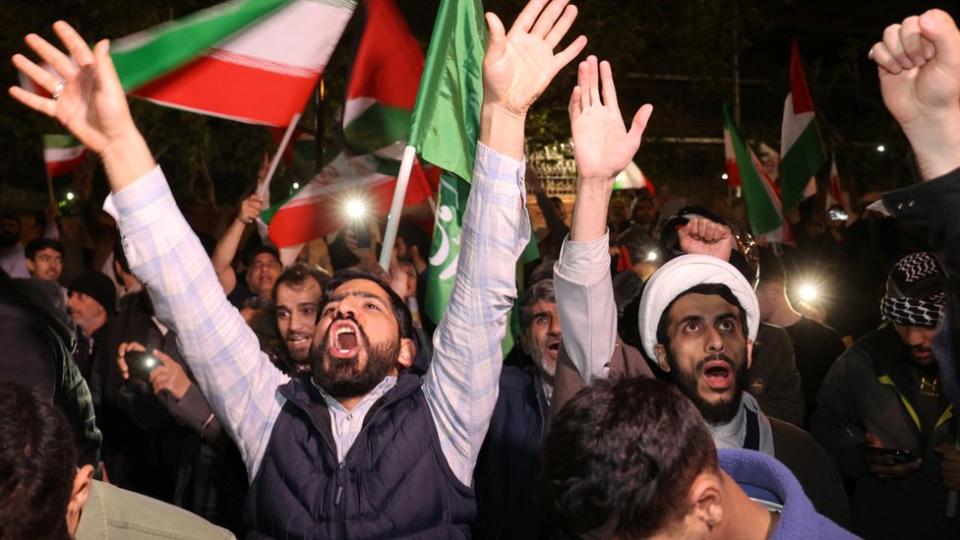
[(678, 55)]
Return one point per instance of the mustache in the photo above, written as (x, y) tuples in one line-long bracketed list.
[(714, 357)]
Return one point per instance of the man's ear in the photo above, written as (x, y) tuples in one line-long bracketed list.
[(79, 494), (706, 498), (661, 353), (30, 266), (408, 352), (749, 353)]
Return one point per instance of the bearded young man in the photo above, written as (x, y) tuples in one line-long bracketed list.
[(358, 448), (698, 314)]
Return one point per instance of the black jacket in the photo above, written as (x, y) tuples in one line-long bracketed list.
[(505, 478)]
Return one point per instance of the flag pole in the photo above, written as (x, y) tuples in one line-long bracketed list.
[(396, 207), (263, 187)]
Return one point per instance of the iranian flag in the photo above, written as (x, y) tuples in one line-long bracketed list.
[(730, 158), (253, 61), (380, 98), (633, 178), (62, 154), (764, 210), (801, 146)]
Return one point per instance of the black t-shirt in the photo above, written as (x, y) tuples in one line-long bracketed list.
[(817, 347)]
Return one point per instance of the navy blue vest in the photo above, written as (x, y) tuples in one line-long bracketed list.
[(393, 483)]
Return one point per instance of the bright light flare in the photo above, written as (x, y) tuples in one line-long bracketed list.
[(355, 208), (881, 148), (809, 292), (725, 176), (652, 256), (69, 195), (296, 185)]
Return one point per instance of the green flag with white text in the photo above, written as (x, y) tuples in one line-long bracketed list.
[(445, 127)]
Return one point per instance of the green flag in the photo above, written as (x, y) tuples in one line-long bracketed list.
[(445, 127), (763, 204)]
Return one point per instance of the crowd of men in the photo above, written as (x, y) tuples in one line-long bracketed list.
[(666, 383)]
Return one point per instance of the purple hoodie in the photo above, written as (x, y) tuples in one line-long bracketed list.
[(760, 473)]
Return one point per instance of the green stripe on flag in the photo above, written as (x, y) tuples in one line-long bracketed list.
[(58, 140), (377, 127), (143, 57)]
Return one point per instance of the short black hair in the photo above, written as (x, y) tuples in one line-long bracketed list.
[(120, 257), (38, 462), (541, 290), (39, 244), (251, 253), (771, 267), (619, 460), (414, 236), (397, 305), (297, 274), (717, 289)]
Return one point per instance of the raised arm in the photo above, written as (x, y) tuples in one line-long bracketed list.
[(239, 382), (919, 67), (603, 147), (461, 383), (228, 244)]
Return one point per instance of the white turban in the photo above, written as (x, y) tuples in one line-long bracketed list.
[(682, 273)]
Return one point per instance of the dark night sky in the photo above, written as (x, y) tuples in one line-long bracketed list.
[(645, 41)]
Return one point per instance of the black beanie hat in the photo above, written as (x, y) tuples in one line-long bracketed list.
[(99, 287)]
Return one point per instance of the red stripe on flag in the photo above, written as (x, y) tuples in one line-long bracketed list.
[(798, 82), (392, 83), (232, 90), (59, 168)]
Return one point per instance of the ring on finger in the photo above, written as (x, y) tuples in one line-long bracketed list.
[(57, 90)]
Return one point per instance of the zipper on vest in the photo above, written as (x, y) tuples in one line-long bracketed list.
[(341, 519), (336, 499)]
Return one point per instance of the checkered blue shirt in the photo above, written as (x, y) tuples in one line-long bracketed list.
[(240, 382)]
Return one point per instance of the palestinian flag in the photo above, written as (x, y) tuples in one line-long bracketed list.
[(801, 146), (380, 97), (62, 154), (763, 206), (633, 178), (254, 61)]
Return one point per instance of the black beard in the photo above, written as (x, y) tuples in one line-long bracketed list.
[(344, 379), (721, 412)]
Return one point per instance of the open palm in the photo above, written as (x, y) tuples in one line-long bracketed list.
[(602, 144), (91, 104), (520, 64)]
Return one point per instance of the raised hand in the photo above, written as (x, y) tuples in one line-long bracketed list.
[(919, 67), (250, 208), (89, 101), (519, 64), (602, 144), (705, 237)]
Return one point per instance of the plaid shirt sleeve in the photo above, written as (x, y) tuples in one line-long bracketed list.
[(239, 382), (461, 384)]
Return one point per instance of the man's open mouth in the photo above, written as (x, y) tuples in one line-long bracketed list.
[(344, 339), (718, 374)]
